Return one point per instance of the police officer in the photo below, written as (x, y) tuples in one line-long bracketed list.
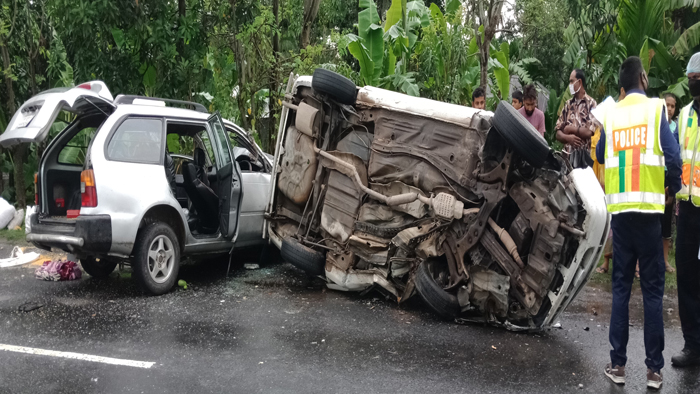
[(688, 224), (635, 143)]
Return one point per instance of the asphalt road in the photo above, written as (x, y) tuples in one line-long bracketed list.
[(272, 330)]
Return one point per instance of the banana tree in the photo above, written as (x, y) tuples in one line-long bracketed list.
[(378, 46)]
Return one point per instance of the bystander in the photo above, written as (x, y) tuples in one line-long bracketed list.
[(575, 124), (529, 110), (479, 98)]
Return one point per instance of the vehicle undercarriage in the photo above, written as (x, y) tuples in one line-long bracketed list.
[(416, 200)]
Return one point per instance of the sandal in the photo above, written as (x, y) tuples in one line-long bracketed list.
[(601, 270), (670, 269)]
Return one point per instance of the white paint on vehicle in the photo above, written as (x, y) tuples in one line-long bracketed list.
[(77, 356)]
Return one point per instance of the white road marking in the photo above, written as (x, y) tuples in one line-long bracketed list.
[(77, 356)]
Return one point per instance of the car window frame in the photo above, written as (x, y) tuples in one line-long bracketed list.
[(87, 148), (205, 128), (118, 124)]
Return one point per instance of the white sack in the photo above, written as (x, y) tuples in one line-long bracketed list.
[(17, 220), (7, 213)]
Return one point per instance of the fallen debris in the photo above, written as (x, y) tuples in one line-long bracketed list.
[(17, 257), (557, 325), (29, 306), (251, 266), (182, 284), (58, 270)]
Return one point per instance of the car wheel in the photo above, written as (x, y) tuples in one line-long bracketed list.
[(305, 258), (156, 258), (336, 86), (430, 279), (520, 135), (97, 268)]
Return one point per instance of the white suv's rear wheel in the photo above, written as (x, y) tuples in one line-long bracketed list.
[(156, 258)]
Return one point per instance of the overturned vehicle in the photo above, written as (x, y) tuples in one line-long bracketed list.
[(469, 209)]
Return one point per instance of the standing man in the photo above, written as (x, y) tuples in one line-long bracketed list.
[(479, 98), (529, 111), (517, 101), (640, 143), (575, 124), (688, 224)]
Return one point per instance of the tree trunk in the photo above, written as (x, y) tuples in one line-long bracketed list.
[(240, 67), (274, 83), (19, 152), (182, 12), (310, 12), (489, 18), (404, 26)]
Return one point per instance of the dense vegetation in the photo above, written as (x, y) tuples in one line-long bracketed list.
[(235, 56)]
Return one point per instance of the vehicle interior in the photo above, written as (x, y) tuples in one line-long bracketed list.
[(64, 161), (195, 181), (195, 185)]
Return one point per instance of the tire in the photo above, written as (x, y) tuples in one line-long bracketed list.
[(302, 257), (97, 268), (336, 86), (440, 301), (156, 260), (520, 135)]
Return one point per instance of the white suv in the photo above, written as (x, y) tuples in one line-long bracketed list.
[(138, 180)]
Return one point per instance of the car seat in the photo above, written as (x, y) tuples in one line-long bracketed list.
[(204, 201)]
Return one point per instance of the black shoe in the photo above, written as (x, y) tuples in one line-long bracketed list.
[(687, 358)]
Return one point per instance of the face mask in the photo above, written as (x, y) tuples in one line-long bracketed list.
[(694, 87), (571, 88)]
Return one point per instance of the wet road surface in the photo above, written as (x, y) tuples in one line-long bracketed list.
[(272, 330)]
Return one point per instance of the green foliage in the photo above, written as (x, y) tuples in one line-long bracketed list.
[(225, 54)]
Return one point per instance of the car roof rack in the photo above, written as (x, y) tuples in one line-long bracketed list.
[(129, 99)]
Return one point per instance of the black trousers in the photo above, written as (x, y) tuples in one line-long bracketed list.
[(688, 272), (637, 236)]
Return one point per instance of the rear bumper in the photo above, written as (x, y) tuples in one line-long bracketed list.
[(86, 234)]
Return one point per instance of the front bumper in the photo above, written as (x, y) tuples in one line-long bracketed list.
[(85, 234)]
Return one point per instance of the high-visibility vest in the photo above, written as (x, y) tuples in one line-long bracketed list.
[(634, 161), (688, 139)]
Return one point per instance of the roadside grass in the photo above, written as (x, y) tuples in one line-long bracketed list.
[(671, 283), (13, 236)]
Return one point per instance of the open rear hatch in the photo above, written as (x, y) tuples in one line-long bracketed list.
[(33, 120)]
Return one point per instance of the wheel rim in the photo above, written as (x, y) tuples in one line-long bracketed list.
[(161, 259), (440, 274)]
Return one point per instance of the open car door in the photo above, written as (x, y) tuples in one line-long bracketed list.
[(228, 178), (33, 120)]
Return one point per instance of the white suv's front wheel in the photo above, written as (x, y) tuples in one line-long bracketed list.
[(156, 258)]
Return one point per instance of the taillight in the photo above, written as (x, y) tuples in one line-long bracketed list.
[(88, 192), (36, 189)]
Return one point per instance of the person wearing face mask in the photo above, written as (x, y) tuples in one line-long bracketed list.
[(634, 145), (688, 224), (575, 125), (528, 110)]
